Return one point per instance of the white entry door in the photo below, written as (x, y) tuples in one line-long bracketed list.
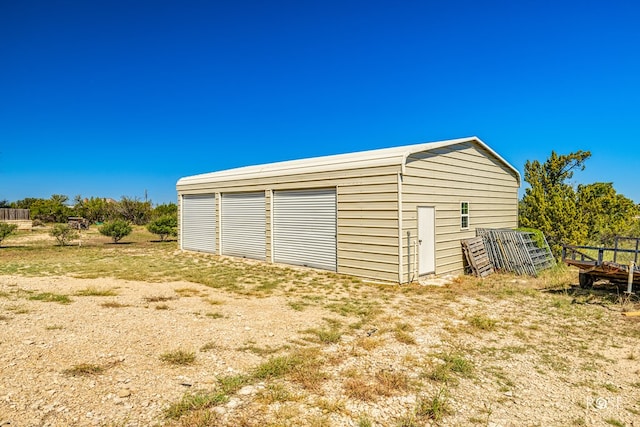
[(426, 240)]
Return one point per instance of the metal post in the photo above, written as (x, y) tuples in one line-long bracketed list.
[(409, 256), (630, 280)]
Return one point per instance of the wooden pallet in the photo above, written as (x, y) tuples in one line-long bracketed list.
[(476, 255)]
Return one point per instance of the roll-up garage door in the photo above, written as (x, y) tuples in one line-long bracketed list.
[(199, 222), (243, 225), (304, 225)]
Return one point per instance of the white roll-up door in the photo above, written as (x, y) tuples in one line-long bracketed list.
[(243, 225), (199, 222), (304, 225)]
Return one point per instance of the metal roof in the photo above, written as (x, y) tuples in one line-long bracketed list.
[(381, 157)]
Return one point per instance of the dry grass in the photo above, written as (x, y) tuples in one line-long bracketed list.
[(179, 357), (376, 341), (95, 292)]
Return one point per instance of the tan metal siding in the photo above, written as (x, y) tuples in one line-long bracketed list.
[(366, 214), (367, 204), (445, 177)]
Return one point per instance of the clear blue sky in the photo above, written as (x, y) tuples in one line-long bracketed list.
[(110, 98)]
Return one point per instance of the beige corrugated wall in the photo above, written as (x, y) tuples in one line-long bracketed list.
[(446, 177), (367, 240), (367, 206)]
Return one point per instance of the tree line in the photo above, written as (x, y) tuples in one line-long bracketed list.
[(584, 214), (115, 217)]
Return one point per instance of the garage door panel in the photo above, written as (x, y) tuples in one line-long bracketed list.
[(305, 228), (199, 223), (243, 225)]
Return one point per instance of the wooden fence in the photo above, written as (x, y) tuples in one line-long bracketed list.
[(7, 214)]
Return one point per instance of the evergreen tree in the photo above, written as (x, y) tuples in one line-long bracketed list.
[(550, 203)]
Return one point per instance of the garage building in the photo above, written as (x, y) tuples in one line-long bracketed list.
[(391, 214)]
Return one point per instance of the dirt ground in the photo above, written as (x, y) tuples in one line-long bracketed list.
[(505, 351)]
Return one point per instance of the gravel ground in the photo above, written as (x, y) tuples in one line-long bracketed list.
[(536, 359)]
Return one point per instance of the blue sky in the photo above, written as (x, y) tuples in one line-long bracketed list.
[(111, 98)]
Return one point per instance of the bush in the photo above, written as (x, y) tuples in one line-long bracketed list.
[(166, 225), (63, 233), (116, 229), (6, 230), (165, 209)]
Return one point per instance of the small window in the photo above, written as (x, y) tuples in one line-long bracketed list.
[(464, 215)]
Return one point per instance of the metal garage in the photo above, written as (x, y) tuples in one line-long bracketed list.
[(391, 214), (199, 222), (242, 225), (304, 228)]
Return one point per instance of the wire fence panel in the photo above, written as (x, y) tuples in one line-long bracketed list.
[(516, 251)]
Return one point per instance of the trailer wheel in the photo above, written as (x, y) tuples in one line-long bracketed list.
[(586, 280)]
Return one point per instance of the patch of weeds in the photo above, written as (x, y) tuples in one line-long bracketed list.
[(277, 367), (404, 337), (482, 322), (358, 388), (260, 351), (51, 297), (53, 327), (408, 420), (612, 388), (434, 408), (159, 298), (95, 292), (390, 382), (192, 402), (162, 307), (297, 305), (453, 363), (208, 346), (231, 384), (84, 369), (330, 405), (614, 422), (113, 304), (187, 292), (364, 421), (275, 393), (4, 318), (4, 294), (306, 368), (212, 301), (555, 362), (347, 307), (215, 315), (88, 369), (18, 309), (369, 343), (178, 357), (325, 336)]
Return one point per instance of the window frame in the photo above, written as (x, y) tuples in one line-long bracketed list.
[(465, 216)]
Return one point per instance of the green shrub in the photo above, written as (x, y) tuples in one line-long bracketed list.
[(164, 226), (6, 230), (116, 229), (63, 233)]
